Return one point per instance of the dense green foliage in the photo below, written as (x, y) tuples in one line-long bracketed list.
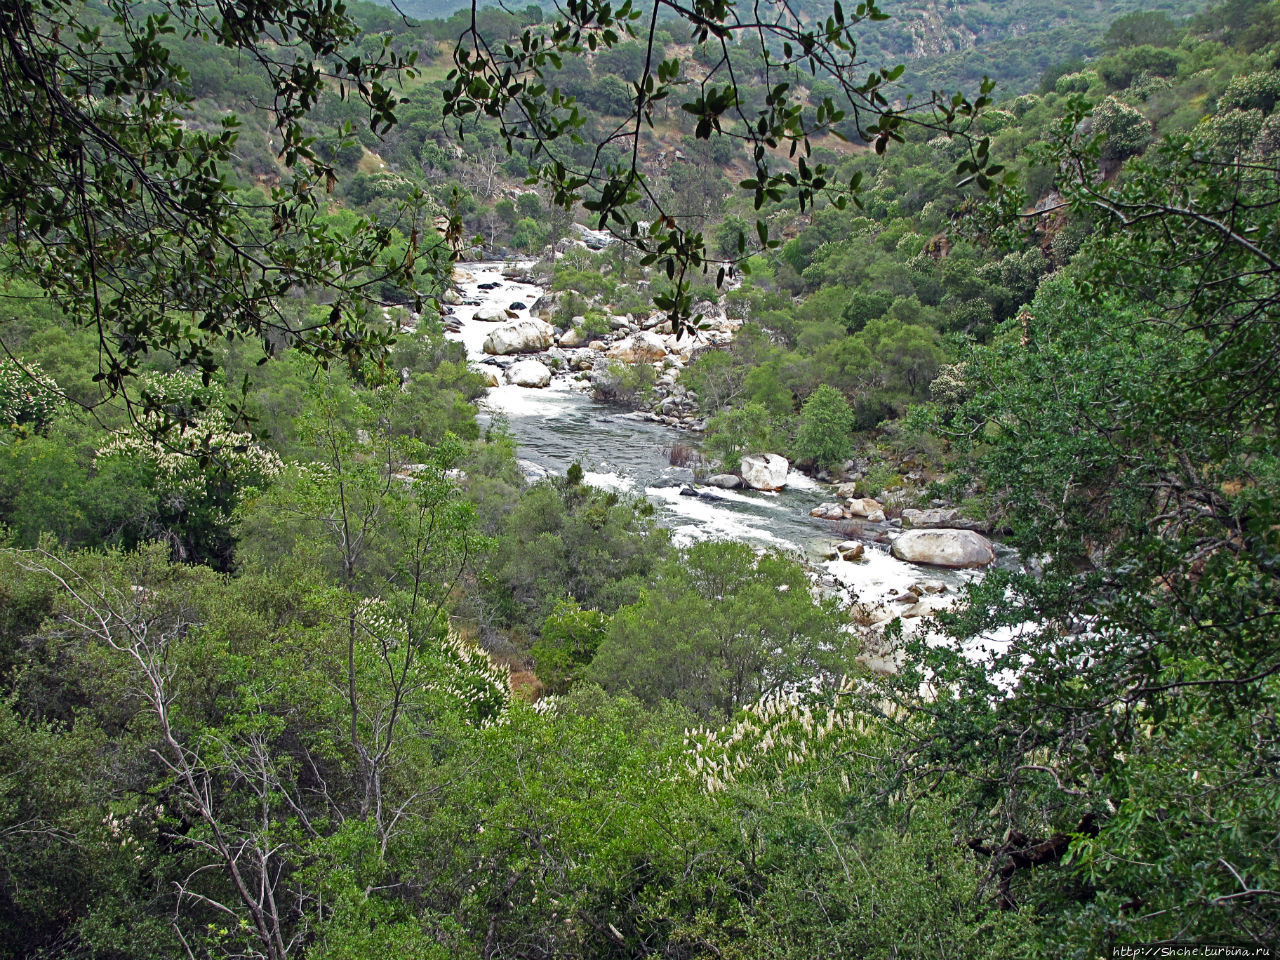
[(719, 628), (116, 199), (295, 663)]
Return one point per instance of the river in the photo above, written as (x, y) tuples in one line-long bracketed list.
[(558, 425)]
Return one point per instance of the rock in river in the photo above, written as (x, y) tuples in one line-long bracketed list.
[(529, 373), (828, 511), (944, 548), (725, 481), (491, 313), (867, 507), (520, 336), (767, 471), (489, 372), (929, 519), (573, 337)]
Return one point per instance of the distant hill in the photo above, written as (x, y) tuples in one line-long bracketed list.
[(954, 43), (426, 9), (926, 28)]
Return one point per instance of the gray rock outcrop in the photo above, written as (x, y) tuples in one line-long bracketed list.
[(492, 313)]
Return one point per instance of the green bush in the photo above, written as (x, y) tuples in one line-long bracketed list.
[(1075, 82), (570, 638), (738, 431), (28, 398), (826, 424), (630, 384), (1124, 132), (1253, 91), (594, 325), (719, 627)]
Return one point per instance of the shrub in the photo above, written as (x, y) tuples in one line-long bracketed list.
[(1253, 91), (1124, 132), (570, 638), (594, 325), (1075, 82), (738, 431), (628, 384), (826, 422), (28, 398)]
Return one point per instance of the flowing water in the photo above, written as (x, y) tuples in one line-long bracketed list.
[(559, 425)]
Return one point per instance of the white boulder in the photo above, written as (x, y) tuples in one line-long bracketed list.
[(680, 346), (491, 313), (828, 511), (767, 471), (520, 336), (944, 548), (640, 348), (529, 373), (867, 507), (546, 305)]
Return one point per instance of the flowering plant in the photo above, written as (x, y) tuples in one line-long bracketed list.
[(28, 397)]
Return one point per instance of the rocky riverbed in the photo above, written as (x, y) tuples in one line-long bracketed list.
[(543, 383)]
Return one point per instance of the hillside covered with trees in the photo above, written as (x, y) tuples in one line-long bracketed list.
[(297, 659)]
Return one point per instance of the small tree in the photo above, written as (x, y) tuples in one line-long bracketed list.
[(199, 476), (826, 422), (570, 638), (1122, 130), (738, 431), (1252, 91)]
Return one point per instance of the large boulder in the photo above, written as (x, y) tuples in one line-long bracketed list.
[(547, 305), (529, 373), (767, 471), (944, 548), (492, 313), (680, 346), (520, 336), (593, 239), (640, 348), (711, 312), (572, 337), (867, 507)]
